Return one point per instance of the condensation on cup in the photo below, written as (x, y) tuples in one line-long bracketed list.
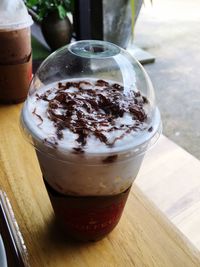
[(15, 51), (91, 116)]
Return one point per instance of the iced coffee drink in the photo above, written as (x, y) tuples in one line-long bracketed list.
[(15, 51), (90, 136)]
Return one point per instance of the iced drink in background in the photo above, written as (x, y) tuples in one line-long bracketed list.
[(15, 51), (90, 128)]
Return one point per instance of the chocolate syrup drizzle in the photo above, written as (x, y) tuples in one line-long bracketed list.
[(88, 112)]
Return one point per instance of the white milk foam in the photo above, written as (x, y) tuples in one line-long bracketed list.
[(47, 130), (86, 174)]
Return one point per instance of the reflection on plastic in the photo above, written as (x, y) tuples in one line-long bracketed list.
[(16, 251)]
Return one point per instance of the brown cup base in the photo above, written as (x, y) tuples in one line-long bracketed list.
[(87, 218)]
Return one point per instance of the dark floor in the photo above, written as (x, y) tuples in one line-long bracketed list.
[(170, 30)]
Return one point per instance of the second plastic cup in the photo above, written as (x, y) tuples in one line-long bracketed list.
[(15, 52)]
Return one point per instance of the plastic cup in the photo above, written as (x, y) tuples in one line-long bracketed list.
[(15, 52), (88, 187)]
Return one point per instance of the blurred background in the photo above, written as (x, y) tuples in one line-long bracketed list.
[(170, 30)]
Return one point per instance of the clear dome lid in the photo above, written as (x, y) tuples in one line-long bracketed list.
[(111, 66), (94, 59)]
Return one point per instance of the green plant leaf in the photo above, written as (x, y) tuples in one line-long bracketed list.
[(43, 7), (31, 3), (62, 12)]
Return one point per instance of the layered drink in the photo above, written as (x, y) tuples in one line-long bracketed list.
[(15, 51), (90, 137)]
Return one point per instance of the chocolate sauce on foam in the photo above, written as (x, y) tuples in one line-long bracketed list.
[(89, 135), (84, 115)]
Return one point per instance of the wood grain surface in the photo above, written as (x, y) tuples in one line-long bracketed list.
[(144, 237), (173, 186)]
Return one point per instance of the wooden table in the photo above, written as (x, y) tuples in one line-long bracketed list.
[(173, 186), (144, 237)]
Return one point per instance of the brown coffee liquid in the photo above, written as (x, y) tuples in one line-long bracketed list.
[(15, 65), (87, 218)]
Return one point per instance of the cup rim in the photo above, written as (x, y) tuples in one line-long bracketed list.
[(65, 154)]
